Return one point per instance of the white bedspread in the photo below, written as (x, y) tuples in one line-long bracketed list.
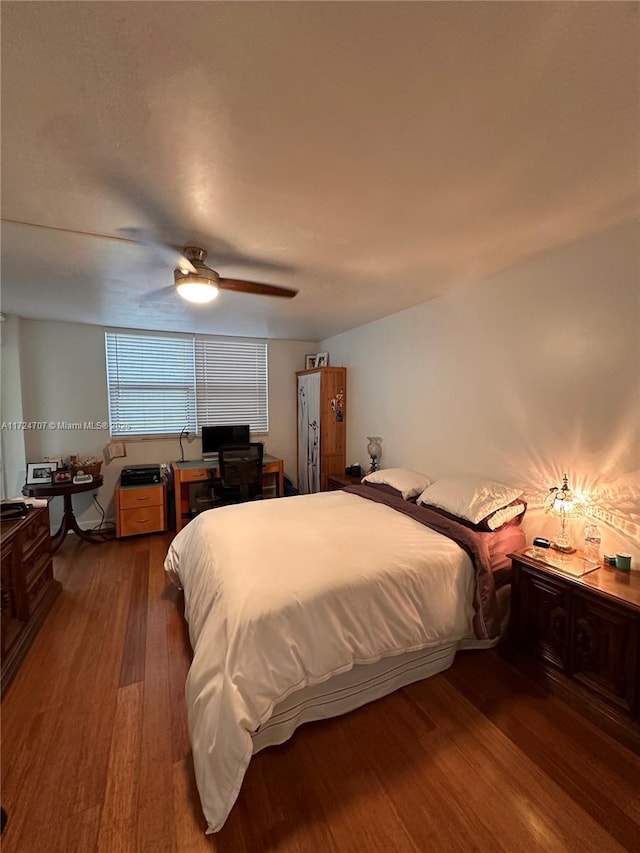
[(280, 594)]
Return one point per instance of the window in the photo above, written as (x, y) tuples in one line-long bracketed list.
[(161, 384)]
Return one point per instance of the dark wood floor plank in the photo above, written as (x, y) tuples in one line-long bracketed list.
[(189, 823), (179, 662), (156, 821), (119, 817), (90, 765), (133, 656)]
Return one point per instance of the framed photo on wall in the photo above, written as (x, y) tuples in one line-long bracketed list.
[(40, 472)]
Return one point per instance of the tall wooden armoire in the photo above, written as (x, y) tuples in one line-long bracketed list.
[(322, 426)]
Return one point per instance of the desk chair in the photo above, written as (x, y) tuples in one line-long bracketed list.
[(240, 473)]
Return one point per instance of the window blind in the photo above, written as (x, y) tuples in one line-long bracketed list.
[(150, 384), (160, 384), (231, 383)]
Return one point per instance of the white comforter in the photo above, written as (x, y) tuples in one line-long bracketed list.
[(281, 594)]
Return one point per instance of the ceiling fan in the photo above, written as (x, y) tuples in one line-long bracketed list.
[(196, 282), (193, 279)]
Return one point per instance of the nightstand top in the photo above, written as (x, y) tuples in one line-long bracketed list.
[(606, 580), (345, 479)]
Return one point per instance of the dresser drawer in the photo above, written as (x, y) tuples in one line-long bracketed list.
[(146, 519), (141, 497), (196, 475)]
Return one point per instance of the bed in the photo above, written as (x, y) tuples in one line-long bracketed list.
[(307, 607)]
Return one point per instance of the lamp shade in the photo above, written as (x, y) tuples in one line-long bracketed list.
[(562, 502)]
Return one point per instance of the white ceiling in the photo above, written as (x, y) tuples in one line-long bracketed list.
[(372, 155)]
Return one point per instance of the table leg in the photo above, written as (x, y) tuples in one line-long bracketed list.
[(69, 523)]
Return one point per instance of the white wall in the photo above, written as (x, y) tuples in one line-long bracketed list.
[(64, 379), (12, 458), (521, 377)]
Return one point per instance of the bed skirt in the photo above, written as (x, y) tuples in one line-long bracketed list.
[(366, 683), (349, 690)]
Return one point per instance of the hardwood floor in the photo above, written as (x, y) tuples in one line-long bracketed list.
[(96, 755)]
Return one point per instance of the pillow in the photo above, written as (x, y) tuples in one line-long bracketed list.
[(386, 490), (409, 483), (469, 497)]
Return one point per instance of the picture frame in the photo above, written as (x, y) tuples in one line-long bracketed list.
[(115, 450), (322, 359), (40, 473), (310, 361), (55, 459), (62, 475)]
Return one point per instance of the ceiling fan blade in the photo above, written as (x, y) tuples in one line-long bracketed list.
[(120, 238), (241, 286), (172, 253), (159, 293)]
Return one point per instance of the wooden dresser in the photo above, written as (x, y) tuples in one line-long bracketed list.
[(141, 509), (28, 587)]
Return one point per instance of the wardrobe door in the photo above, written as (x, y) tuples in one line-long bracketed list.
[(309, 433)]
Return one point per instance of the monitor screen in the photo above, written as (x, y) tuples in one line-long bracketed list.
[(214, 437)]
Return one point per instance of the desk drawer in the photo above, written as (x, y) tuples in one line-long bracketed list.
[(147, 519), (141, 497), (195, 475)]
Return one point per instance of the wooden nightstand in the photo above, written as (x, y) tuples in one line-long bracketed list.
[(339, 481), (580, 635)]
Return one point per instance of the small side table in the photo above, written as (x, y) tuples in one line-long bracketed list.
[(339, 481), (66, 491)]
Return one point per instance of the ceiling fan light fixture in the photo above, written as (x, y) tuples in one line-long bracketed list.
[(199, 287), (196, 289)]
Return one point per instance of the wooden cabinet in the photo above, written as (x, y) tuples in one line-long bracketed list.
[(582, 633), (322, 426), (28, 588), (140, 509)]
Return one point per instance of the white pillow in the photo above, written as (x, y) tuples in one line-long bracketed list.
[(409, 483), (469, 497)]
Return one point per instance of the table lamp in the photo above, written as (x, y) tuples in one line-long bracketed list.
[(563, 503), (374, 449)]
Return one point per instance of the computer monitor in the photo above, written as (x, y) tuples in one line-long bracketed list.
[(214, 437)]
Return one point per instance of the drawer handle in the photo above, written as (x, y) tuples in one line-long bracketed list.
[(145, 498), (142, 520)]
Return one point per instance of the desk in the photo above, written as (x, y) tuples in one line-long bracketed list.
[(66, 490), (202, 471)]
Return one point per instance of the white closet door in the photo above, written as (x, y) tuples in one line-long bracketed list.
[(309, 433)]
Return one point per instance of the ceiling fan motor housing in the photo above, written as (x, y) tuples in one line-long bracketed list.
[(203, 274)]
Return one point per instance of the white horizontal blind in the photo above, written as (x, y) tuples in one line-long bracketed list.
[(231, 383), (150, 380)]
